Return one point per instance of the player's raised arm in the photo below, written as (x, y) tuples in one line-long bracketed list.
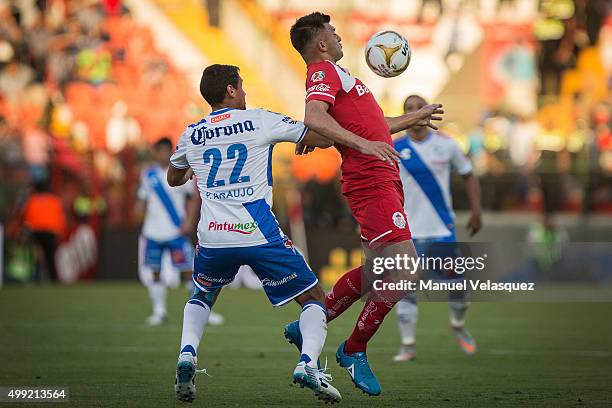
[(422, 117), (318, 119)]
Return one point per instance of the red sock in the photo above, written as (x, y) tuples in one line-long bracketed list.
[(344, 293), (370, 319)]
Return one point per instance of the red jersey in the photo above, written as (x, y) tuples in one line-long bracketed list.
[(354, 107)]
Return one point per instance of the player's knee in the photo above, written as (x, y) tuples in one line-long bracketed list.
[(314, 294), (207, 298)]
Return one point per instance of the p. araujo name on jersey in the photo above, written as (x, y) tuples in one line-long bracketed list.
[(230, 152), (425, 172)]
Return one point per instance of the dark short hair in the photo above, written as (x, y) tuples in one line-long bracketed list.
[(414, 96), (215, 80), (306, 29), (163, 142)]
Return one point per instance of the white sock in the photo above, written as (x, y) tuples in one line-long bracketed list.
[(313, 325), (457, 312), (157, 293), (407, 317), (195, 318)]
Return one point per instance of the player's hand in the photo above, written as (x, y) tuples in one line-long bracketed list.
[(381, 150), (428, 113), (474, 224), (186, 229), (301, 148)]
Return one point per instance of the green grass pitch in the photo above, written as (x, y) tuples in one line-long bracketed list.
[(92, 338)]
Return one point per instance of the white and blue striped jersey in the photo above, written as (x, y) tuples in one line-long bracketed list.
[(425, 172), (230, 152), (165, 210)]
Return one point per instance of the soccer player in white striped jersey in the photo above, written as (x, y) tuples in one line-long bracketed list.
[(230, 153), (427, 159)]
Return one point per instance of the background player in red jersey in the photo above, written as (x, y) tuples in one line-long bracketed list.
[(341, 108)]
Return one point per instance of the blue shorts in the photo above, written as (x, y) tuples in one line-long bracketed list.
[(443, 247), (181, 253), (280, 267)]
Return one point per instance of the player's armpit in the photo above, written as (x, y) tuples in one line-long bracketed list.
[(178, 177)]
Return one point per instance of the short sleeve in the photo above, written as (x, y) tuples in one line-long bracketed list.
[(323, 83), (461, 163), (143, 191), (179, 158), (281, 128)]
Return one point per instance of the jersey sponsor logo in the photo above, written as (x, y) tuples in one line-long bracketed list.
[(289, 121), (220, 118), (318, 76), (200, 135), (361, 90), (319, 88), (405, 154), (245, 228), (236, 193), (205, 280), (280, 282), (399, 220)]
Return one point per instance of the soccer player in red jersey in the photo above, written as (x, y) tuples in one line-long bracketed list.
[(341, 108)]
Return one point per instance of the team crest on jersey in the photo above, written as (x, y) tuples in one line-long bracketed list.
[(399, 220), (317, 76), (405, 154)]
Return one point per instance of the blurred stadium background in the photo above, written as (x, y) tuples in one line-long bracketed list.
[(86, 86)]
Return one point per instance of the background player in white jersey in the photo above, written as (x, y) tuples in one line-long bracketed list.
[(230, 152), (168, 221), (426, 162)]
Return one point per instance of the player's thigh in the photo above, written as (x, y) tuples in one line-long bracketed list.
[(283, 272), (215, 267)]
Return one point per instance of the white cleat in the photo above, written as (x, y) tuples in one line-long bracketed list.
[(215, 319), (156, 320), (318, 381)]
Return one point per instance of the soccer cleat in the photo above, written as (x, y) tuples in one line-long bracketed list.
[(406, 353), (318, 381), (359, 369), (184, 384), (215, 319), (294, 336), (157, 320), (465, 340)]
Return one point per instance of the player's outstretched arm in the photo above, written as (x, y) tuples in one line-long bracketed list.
[(318, 119), (311, 141), (422, 117), (178, 177)]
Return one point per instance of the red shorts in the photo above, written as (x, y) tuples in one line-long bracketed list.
[(379, 210)]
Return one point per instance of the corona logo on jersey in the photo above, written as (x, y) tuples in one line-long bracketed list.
[(240, 227), (200, 135)]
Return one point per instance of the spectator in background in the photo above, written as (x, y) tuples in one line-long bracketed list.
[(14, 79), (121, 130), (44, 217)]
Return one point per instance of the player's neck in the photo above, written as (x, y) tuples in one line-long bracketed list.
[(319, 58), (419, 136), (223, 106)]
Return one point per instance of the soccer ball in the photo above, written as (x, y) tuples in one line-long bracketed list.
[(388, 53)]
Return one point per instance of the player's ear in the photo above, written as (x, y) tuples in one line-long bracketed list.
[(230, 90)]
